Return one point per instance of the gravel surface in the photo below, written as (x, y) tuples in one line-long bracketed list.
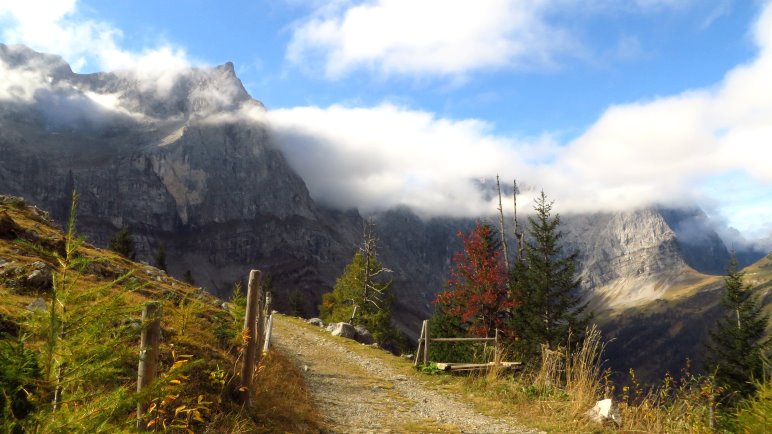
[(360, 394)]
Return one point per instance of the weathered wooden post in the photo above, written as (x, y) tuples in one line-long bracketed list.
[(420, 344), (267, 308), (150, 338), (268, 330), (426, 341), (250, 335), (496, 358)]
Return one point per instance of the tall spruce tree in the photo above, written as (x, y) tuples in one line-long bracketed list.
[(737, 347), (544, 281)]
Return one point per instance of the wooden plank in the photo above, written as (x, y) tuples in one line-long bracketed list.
[(473, 366), (463, 339)]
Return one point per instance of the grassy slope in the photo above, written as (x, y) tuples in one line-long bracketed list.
[(655, 336), (194, 327)]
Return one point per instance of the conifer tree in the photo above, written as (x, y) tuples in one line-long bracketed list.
[(123, 244), (545, 281), (160, 258), (296, 303), (361, 294), (737, 348), (85, 347)]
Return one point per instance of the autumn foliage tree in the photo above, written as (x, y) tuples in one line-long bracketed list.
[(476, 298)]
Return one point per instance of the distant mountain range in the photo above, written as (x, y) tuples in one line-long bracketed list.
[(162, 156)]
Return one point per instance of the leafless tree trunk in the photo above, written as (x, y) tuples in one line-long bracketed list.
[(501, 227)]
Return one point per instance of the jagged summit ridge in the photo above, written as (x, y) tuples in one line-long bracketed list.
[(146, 95)]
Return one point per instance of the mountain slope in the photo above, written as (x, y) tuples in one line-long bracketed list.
[(658, 336), (213, 191), (198, 350)]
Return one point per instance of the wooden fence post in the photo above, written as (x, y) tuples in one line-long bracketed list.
[(496, 347), (267, 309), (150, 338), (426, 341), (420, 343), (250, 335), (268, 330)]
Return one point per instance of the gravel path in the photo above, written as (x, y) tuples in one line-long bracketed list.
[(360, 394)]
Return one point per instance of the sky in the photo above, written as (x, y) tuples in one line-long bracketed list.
[(604, 104)]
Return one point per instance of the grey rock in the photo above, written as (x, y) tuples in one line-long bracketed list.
[(604, 411), (39, 279), (363, 335), (37, 304), (343, 329), (316, 321)]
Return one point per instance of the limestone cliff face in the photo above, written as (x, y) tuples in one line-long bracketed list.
[(212, 191)]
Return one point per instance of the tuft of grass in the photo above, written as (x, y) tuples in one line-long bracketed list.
[(281, 398)]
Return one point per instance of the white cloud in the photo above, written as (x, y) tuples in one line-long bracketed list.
[(657, 151), (445, 37), (57, 26), (374, 158)]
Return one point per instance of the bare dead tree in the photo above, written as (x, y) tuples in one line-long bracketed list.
[(503, 233), (373, 292), (519, 236)]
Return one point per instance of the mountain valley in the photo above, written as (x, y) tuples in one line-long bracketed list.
[(176, 161)]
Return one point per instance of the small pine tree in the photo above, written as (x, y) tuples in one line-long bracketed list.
[(544, 279), (123, 244), (737, 347), (160, 258), (79, 359), (296, 303), (362, 295), (188, 278)]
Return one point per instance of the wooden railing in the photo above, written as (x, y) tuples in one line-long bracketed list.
[(425, 339)]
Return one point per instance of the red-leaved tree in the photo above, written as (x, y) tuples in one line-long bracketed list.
[(476, 294)]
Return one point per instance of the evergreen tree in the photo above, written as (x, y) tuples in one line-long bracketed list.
[(188, 278), (160, 258), (123, 244), (737, 348), (545, 282), (361, 295), (296, 303)]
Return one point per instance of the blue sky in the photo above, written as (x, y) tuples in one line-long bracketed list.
[(603, 103), (630, 55)]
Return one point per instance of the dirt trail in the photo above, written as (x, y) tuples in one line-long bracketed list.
[(358, 393)]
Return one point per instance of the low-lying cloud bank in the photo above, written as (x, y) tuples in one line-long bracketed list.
[(663, 151), (667, 151)]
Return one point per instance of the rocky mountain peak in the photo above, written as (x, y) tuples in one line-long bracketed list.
[(39, 81), (23, 58)]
